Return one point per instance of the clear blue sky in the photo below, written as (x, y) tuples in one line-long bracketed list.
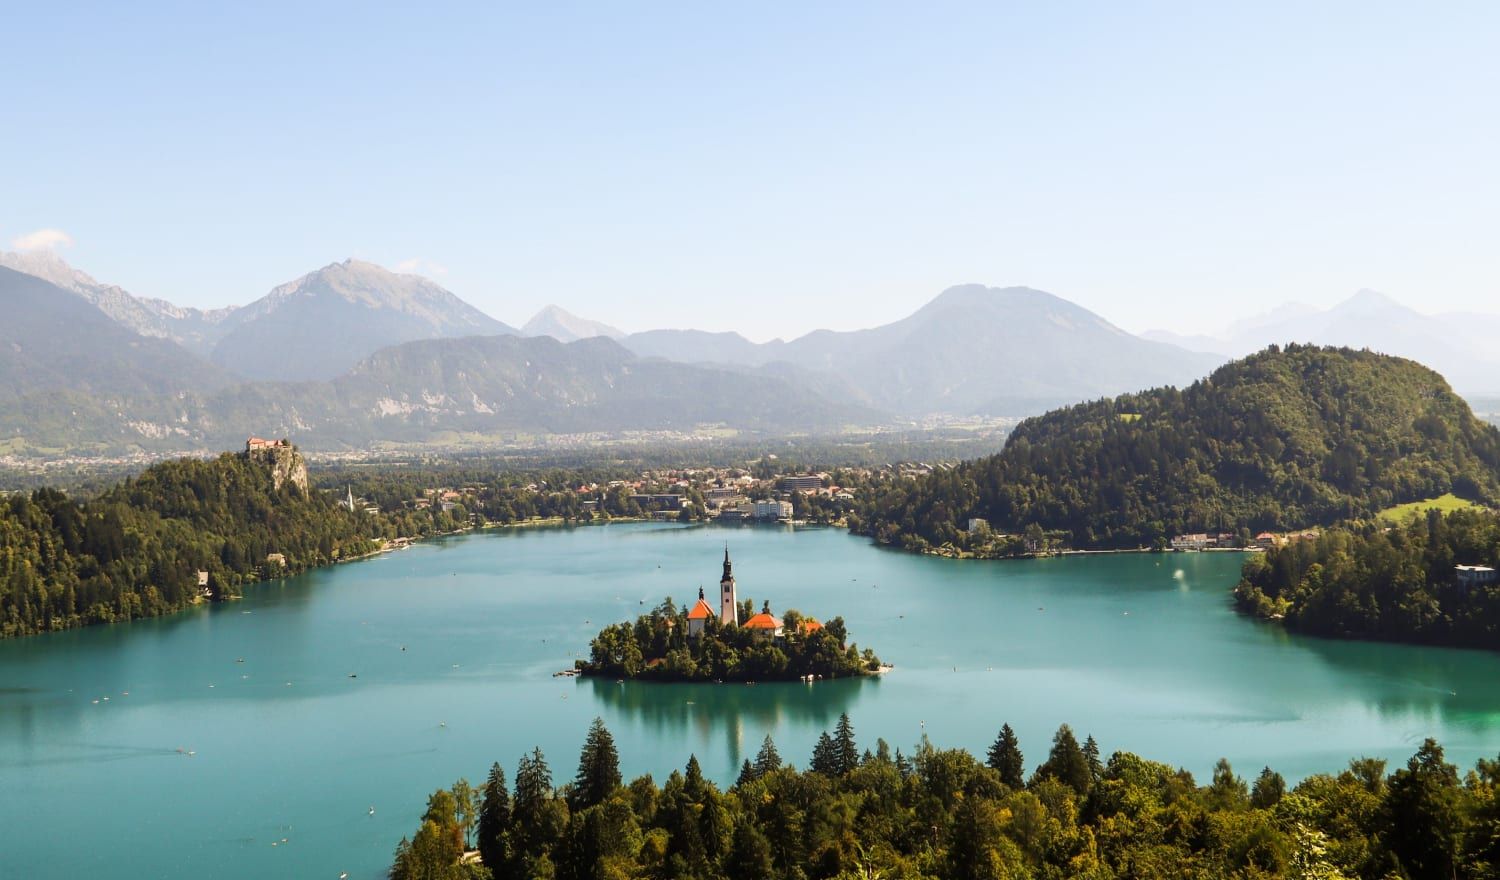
[(771, 167)]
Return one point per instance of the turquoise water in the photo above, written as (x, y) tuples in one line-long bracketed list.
[(1142, 651)]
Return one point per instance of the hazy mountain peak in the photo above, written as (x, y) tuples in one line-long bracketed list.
[(1367, 300), (45, 264), (563, 325), (323, 323)]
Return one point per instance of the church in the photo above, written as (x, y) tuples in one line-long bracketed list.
[(764, 624)]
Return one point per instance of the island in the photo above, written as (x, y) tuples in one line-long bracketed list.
[(728, 643)]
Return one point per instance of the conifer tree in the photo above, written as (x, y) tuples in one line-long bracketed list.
[(1268, 789), (846, 752), (747, 774), (598, 768), (1091, 755), (494, 817), (825, 756), (1066, 762), (1005, 758), (767, 760)]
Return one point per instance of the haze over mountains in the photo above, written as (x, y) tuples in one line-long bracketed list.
[(1459, 345), (353, 354)]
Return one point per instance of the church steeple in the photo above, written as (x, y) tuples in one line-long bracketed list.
[(729, 613)]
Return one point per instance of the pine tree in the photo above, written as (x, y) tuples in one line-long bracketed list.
[(846, 752), (825, 756), (747, 774), (1091, 755), (1005, 758), (494, 818), (693, 782), (1066, 762), (750, 856), (768, 760), (1268, 789), (598, 768), (1227, 791)]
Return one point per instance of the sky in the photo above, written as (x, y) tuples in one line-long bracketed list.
[(771, 167)]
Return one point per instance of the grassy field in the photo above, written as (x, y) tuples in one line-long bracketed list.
[(1445, 503)]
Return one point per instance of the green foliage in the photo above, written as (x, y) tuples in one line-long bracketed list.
[(1280, 440), (135, 550), (598, 768), (658, 647), (948, 816), (1369, 580)]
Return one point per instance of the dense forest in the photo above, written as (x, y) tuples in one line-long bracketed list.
[(1377, 581), (658, 647), (1283, 439), (136, 550), (943, 813)]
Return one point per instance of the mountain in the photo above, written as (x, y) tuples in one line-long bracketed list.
[(194, 329), (973, 349), (1284, 439), (54, 342), (442, 391), (565, 326), (1459, 345), (322, 324)]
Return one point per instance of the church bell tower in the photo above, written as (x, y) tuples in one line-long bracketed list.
[(729, 614)]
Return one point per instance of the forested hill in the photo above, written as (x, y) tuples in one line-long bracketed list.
[(136, 550), (1283, 439)]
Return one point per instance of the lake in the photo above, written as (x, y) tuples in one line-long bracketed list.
[(235, 743)]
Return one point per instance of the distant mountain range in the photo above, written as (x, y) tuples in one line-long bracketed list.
[(353, 354), (1461, 346), (153, 395), (972, 350)]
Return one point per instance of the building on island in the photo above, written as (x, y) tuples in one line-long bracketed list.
[(697, 618), (729, 613), (765, 625)]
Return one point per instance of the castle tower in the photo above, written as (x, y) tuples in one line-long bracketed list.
[(729, 615)]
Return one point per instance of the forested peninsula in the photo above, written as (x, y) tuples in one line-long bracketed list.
[(181, 532), (1284, 439), (945, 813), (1374, 580)]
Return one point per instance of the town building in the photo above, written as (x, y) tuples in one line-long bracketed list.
[(1191, 542), (768, 511), (977, 525), (803, 483), (1470, 576)]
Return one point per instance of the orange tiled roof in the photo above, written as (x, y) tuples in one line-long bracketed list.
[(763, 620), (701, 611), (810, 625)]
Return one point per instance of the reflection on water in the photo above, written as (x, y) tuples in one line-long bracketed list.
[(1414, 684), (746, 713)]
